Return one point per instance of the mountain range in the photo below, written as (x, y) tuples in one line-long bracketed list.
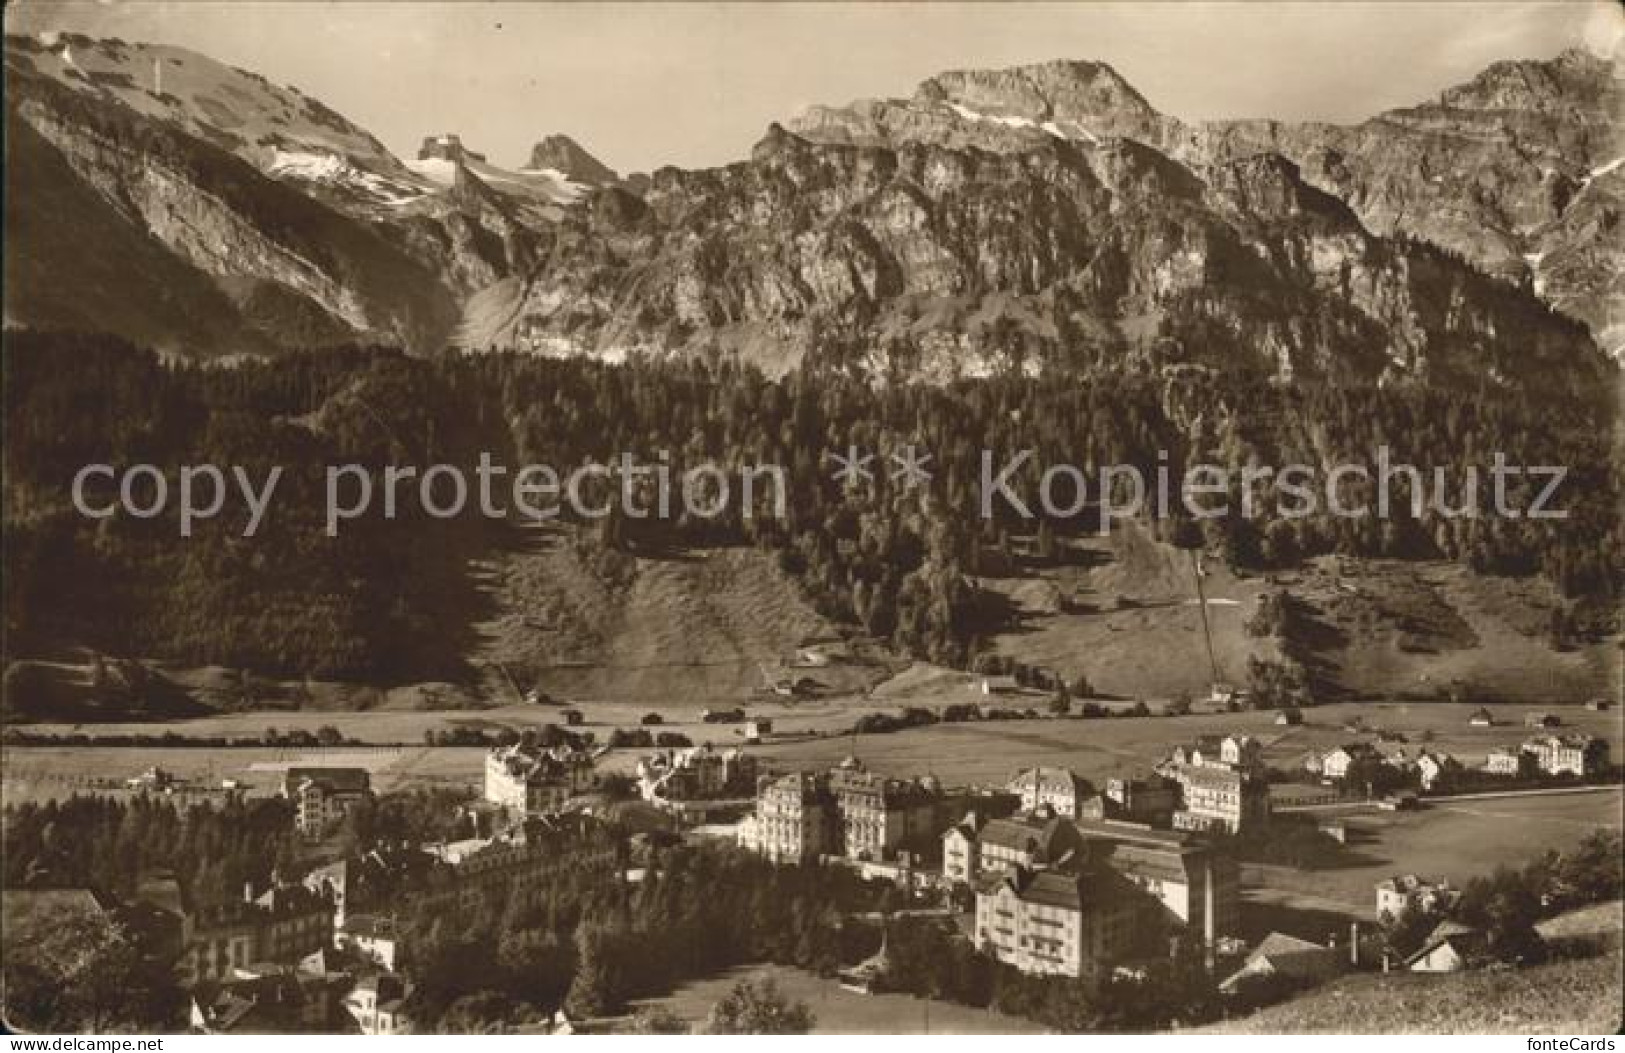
[(1035, 219)]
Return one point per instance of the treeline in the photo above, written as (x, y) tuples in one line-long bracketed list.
[(214, 848), (390, 599)]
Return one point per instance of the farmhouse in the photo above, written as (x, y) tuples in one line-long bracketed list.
[(1481, 718), (1335, 764), (1451, 948), (1288, 957), (1289, 717), (1541, 720), (322, 797)]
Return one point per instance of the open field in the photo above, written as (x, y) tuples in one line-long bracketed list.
[(1454, 839), (1121, 611), (839, 1011), (814, 733), (1564, 998), (988, 752)]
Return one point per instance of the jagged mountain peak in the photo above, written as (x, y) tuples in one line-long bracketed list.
[(564, 155), (1045, 91)]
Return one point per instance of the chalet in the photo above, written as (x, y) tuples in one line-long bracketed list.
[(1291, 717), (1541, 720), (1598, 705), (1481, 718), (999, 685), (1335, 764), (1394, 756), (758, 729), (1451, 948)]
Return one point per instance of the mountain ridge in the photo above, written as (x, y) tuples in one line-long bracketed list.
[(882, 235)]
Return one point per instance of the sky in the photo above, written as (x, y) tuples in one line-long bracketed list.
[(644, 85)]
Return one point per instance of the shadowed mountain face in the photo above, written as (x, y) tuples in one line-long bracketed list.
[(1039, 219)]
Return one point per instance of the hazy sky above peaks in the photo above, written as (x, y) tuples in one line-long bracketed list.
[(644, 85)]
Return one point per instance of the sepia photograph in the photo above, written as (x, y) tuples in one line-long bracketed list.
[(817, 518)]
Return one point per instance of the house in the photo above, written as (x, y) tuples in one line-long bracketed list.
[(377, 1004), (324, 796), (1058, 788), (1505, 761), (1286, 957), (1335, 764), (1402, 890), (372, 937), (526, 779), (999, 685), (1578, 755), (1598, 705), (1053, 922), (1230, 799), (1541, 720), (1450, 948), (758, 729), (1435, 771), (1481, 718), (1290, 717)]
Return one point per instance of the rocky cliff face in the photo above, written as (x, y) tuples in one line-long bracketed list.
[(1516, 171), (564, 155), (1044, 218)]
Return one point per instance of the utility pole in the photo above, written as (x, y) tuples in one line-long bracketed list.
[(1201, 606), (158, 77)]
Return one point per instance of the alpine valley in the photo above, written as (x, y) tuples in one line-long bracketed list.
[(202, 266)]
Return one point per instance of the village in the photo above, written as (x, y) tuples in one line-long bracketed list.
[(1046, 872)]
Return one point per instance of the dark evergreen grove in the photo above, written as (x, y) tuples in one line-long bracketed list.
[(390, 600)]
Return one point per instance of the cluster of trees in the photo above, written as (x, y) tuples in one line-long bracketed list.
[(388, 597), (212, 847), (591, 940), (546, 736)]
